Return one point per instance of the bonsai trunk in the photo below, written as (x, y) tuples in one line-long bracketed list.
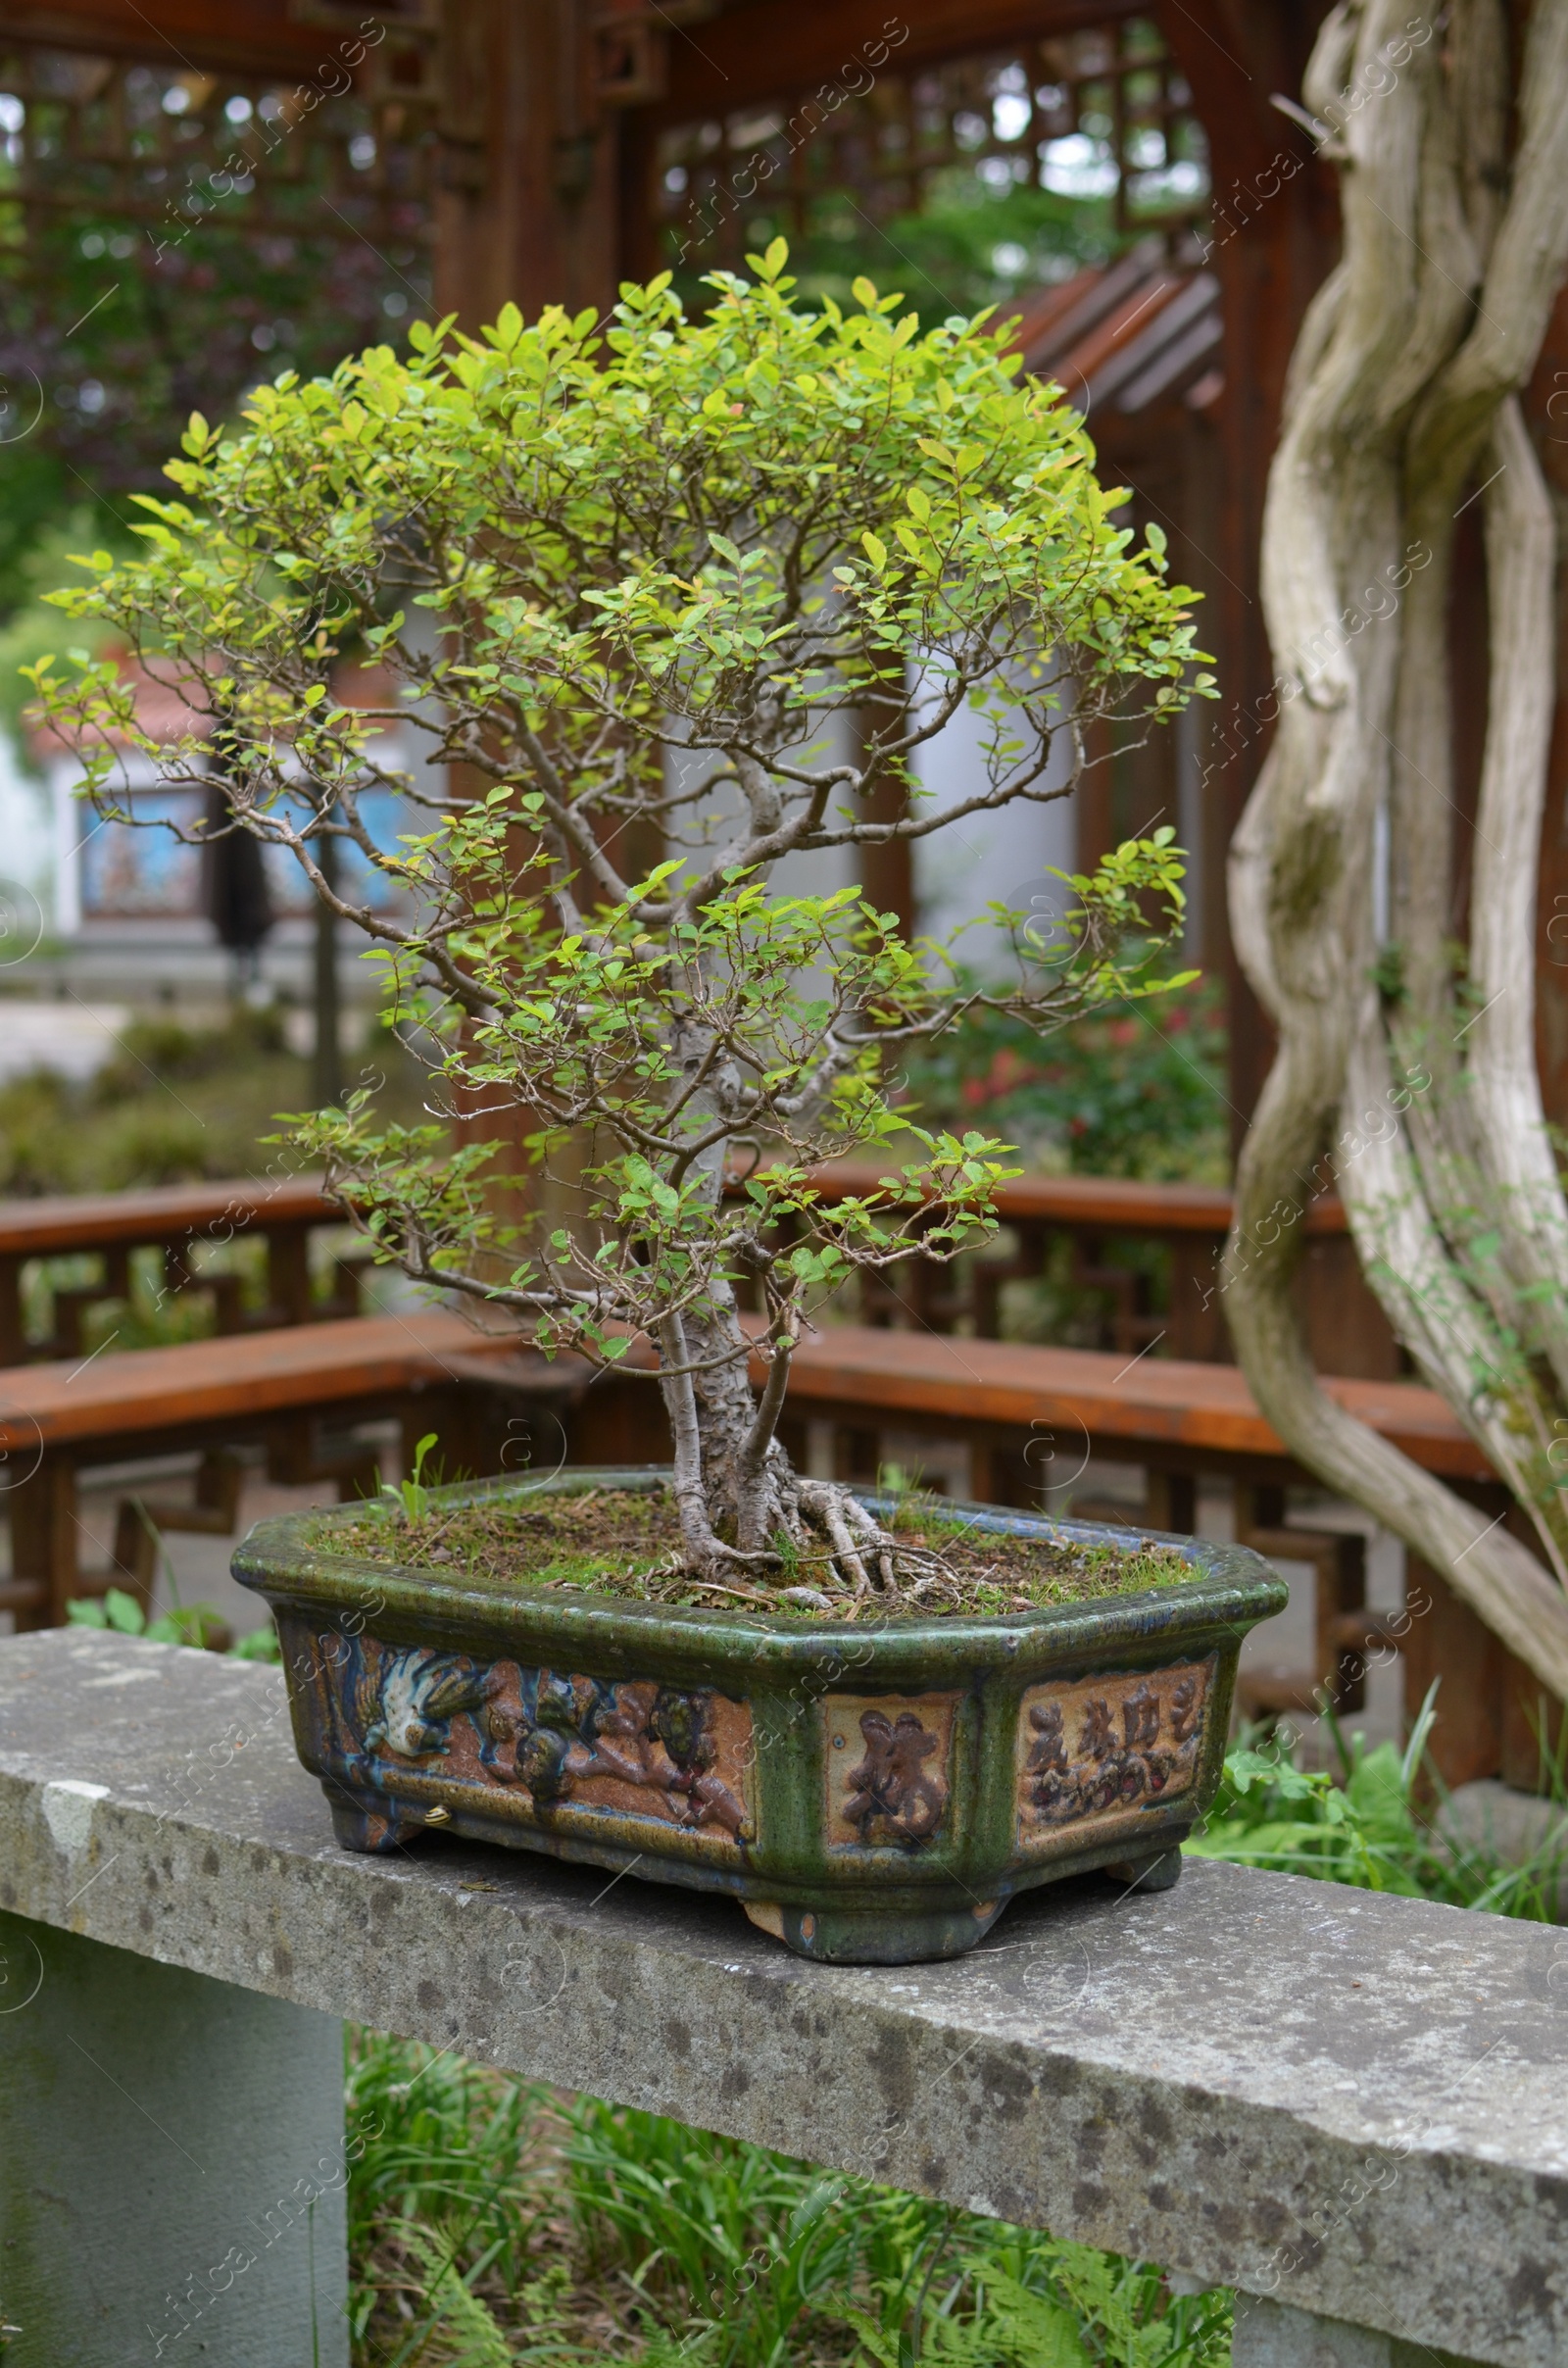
[(744, 1509)]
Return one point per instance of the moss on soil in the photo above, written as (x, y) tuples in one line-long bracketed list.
[(626, 1542)]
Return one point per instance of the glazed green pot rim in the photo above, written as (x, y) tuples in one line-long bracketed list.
[(1238, 1583)]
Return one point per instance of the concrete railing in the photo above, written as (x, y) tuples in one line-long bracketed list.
[(1352, 2107)]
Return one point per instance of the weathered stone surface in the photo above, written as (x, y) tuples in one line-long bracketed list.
[(172, 2165), (1274, 2335), (1354, 2104)]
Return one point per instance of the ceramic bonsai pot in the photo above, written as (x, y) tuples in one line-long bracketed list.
[(871, 1795)]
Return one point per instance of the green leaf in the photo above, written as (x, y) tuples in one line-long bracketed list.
[(123, 1612), (875, 550), (883, 2347)]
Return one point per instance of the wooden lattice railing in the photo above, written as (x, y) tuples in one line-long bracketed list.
[(1102, 112)]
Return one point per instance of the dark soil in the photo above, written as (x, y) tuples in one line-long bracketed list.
[(626, 1542)]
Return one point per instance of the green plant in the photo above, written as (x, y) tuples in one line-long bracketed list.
[(199, 1624), (1118, 1092), (1370, 1829), (660, 573), (412, 1494), (260, 1645), (555, 2229)]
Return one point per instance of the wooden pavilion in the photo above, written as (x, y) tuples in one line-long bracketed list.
[(543, 150)]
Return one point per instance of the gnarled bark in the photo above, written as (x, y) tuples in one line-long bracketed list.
[(1417, 1076)]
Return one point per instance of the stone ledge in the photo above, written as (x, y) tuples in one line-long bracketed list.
[(1326, 2095)]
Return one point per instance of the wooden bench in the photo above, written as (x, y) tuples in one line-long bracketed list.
[(1030, 1417), (1186, 1223), (170, 1221), (276, 1389)]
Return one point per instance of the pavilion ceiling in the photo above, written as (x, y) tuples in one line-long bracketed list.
[(267, 37), (747, 50)]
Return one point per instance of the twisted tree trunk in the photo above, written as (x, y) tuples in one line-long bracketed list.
[(1412, 1070)]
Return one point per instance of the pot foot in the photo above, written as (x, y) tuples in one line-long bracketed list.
[(835, 1936), (366, 1822), (1157, 1872)]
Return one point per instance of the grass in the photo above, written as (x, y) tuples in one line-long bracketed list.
[(494, 2223)]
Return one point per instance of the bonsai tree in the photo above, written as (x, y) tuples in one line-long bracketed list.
[(667, 606)]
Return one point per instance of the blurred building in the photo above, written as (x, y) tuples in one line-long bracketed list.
[(140, 906)]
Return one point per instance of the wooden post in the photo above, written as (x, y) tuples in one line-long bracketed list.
[(1447, 1641), (527, 212), (13, 1338), (43, 1544), (289, 1273), (1275, 238)]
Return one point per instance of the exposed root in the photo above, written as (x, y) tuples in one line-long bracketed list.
[(837, 1559), (836, 1511)]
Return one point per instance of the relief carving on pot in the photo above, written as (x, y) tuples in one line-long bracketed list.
[(563, 1743), (1106, 1749), (887, 1772)]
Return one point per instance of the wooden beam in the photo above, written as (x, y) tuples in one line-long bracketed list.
[(762, 49), (250, 36), (193, 1383)]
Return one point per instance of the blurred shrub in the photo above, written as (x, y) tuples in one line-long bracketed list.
[(1138, 1092), (173, 1105)]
